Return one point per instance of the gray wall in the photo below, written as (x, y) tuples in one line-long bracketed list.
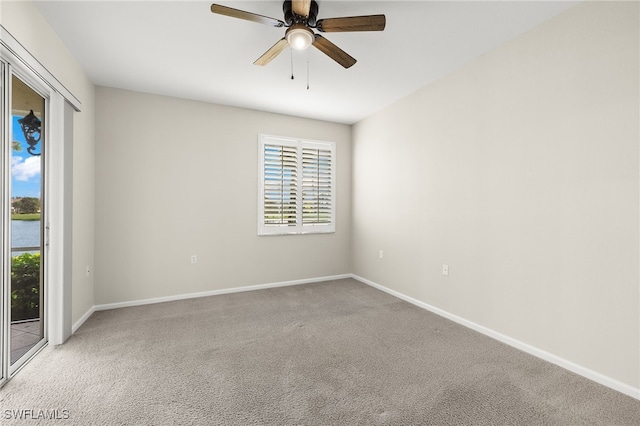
[(176, 178), (520, 171)]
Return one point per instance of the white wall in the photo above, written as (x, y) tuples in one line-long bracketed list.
[(176, 178), (26, 24), (520, 171)]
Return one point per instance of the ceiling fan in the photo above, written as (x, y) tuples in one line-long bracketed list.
[(300, 20)]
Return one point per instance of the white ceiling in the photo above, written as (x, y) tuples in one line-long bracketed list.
[(181, 49)]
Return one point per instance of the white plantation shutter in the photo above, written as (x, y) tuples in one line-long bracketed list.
[(297, 186), (280, 185), (316, 186)]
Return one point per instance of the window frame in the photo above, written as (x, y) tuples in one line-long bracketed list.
[(299, 228)]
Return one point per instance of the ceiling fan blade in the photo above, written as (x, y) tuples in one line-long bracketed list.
[(333, 51), (273, 51), (248, 16), (301, 7), (352, 23)]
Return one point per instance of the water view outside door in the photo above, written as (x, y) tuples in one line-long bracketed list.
[(26, 230)]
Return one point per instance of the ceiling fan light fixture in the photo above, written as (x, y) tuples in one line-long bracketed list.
[(299, 37)]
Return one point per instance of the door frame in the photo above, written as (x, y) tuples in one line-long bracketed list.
[(57, 195)]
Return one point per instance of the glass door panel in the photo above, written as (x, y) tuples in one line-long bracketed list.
[(26, 289)]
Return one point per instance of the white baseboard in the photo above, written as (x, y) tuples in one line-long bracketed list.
[(216, 292), (140, 302), (82, 319), (532, 350)]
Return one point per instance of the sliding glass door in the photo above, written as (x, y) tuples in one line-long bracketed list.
[(23, 118), (36, 203)]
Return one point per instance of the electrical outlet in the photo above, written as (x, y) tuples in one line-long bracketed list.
[(194, 259), (380, 254), (445, 269)]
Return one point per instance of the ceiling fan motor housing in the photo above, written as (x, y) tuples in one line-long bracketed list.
[(291, 18)]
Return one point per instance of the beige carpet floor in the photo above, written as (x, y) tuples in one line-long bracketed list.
[(333, 353)]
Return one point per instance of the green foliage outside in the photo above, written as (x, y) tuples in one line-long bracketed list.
[(25, 286), (26, 205), (30, 217)]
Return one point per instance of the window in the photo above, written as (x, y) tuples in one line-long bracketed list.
[(296, 186)]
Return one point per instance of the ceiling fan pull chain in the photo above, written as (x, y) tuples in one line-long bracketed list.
[(291, 50), (307, 70)]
